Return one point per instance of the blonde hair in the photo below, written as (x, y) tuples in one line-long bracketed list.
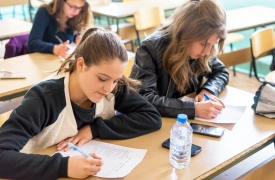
[(99, 45), (191, 22), (78, 23)]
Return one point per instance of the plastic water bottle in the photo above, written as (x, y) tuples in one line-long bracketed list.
[(180, 142)]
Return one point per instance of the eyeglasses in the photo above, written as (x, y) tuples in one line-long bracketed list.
[(74, 8)]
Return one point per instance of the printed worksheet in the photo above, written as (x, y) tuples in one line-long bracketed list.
[(118, 160), (230, 114)]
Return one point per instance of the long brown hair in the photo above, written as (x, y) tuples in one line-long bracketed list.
[(78, 23), (99, 45), (193, 21)]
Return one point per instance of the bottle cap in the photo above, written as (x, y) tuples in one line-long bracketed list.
[(182, 118)]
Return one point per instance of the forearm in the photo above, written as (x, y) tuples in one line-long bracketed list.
[(138, 117), (171, 107), (36, 45), (16, 165)]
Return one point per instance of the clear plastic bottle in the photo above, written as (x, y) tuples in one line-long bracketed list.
[(180, 142)]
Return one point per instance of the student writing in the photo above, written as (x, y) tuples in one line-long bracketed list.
[(172, 62), (62, 18), (74, 105)]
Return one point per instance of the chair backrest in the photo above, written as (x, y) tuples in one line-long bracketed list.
[(16, 46), (146, 18), (4, 117), (262, 41)]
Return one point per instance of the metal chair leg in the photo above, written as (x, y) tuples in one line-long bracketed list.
[(234, 70)]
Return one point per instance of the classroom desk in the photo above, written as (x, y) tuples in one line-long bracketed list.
[(12, 27), (119, 10), (38, 66), (240, 140), (237, 19), (249, 17)]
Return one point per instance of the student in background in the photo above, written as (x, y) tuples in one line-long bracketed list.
[(75, 104), (172, 62), (63, 19)]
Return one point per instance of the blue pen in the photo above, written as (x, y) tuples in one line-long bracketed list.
[(79, 150), (206, 97)]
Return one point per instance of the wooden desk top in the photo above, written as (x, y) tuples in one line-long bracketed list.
[(11, 27), (38, 66), (249, 17), (250, 132), (125, 9)]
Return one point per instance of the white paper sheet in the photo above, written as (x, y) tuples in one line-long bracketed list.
[(230, 114), (118, 160)]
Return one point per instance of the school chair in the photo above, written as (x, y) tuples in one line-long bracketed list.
[(4, 117), (16, 46), (7, 3), (233, 38), (131, 60), (148, 20), (262, 43)]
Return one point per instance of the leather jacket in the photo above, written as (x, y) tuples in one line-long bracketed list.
[(160, 89)]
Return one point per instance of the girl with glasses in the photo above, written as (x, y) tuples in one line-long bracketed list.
[(57, 24)]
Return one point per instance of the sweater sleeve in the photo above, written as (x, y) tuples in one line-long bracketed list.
[(35, 42), (26, 121), (138, 117), (147, 71)]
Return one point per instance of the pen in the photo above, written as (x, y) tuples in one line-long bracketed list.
[(206, 97), (79, 150), (58, 38)]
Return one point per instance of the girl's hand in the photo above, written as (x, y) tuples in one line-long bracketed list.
[(208, 109), (61, 49), (82, 167), (84, 135), (200, 97), (77, 39)]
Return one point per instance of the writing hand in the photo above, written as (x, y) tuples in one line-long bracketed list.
[(200, 97), (61, 49), (82, 167), (208, 109), (84, 135)]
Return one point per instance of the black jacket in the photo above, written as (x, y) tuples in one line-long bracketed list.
[(160, 89)]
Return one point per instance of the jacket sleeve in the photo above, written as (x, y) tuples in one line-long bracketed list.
[(136, 117), (25, 121), (217, 79), (35, 41), (146, 69)]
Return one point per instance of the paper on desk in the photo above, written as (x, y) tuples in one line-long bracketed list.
[(230, 114), (118, 160), (71, 47)]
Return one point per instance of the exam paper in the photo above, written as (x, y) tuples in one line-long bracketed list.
[(118, 160), (230, 114)]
